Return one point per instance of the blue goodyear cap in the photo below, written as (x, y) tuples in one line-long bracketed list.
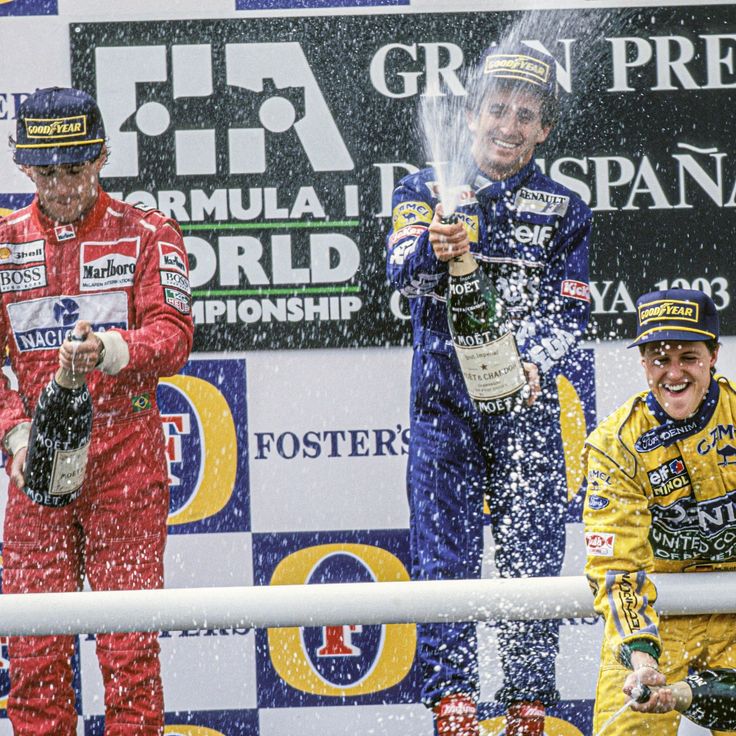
[(521, 64), (58, 125), (675, 314)]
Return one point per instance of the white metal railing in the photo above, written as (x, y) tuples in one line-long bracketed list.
[(345, 603)]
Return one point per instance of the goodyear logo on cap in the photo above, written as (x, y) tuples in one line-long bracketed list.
[(518, 66), (56, 127), (668, 310)]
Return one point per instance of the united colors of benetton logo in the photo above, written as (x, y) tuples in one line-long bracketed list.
[(205, 424)]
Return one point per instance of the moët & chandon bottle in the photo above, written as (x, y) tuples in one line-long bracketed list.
[(60, 435), (487, 351)]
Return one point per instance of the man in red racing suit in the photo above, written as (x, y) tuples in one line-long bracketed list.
[(77, 255)]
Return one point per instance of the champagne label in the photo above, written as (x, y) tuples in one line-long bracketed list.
[(493, 370), (67, 473)]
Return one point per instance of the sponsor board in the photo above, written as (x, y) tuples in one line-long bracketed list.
[(11, 202), (283, 189), (334, 665), (195, 723), (567, 718), (314, 4), (204, 415), (29, 7)]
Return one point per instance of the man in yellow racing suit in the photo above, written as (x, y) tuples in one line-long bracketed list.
[(662, 498)]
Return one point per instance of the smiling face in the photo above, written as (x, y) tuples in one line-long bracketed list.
[(678, 374), (506, 129)]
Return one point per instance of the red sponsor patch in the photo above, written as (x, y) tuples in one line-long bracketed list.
[(64, 232), (575, 290), (108, 265), (410, 231), (172, 259), (599, 545)]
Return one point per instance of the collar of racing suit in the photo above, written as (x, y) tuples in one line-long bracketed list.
[(90, 218), (683, 427), (487, 188)]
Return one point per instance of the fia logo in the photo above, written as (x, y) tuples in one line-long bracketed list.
[(217, 106)]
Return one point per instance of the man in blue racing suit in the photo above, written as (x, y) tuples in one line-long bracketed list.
[(531, 235)]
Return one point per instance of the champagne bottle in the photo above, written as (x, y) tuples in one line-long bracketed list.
[(487, 351), (60, 435), (707, 698)]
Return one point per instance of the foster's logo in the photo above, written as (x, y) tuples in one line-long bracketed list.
[(204, 422), (340, 661)]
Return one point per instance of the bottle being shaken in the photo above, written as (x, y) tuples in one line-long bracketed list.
[(60, 436), (707, 698), (486, 348)]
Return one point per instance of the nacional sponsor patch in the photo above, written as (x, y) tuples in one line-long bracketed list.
[(600, 544), (546, 203), (176, 281), (22, 279), (172, 259), (42, 324), (411, 213), (596, 502), (181, 302), (108, 265), (33, 251), (411, 231), (575, 290), (669, 477)]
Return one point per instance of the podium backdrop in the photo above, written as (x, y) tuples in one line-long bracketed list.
[(274, 131)]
